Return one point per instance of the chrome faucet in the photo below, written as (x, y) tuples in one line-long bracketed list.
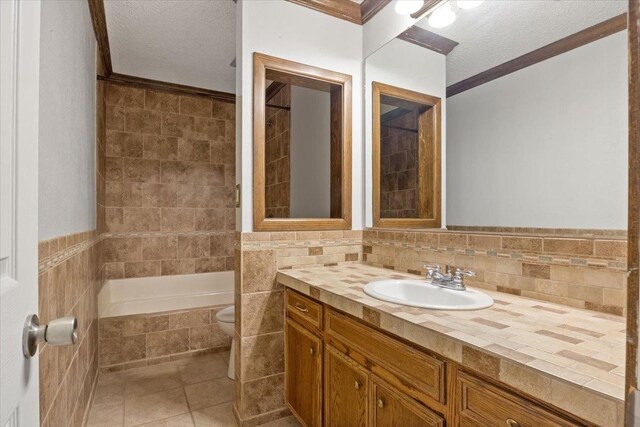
[(448, 280)]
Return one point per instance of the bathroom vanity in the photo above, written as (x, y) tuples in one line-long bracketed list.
[(352, 360)]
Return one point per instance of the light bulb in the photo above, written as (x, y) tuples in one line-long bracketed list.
[(442, 16), (469, 4), (407, 7)]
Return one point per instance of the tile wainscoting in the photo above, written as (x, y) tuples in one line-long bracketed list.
[(260, 310), (582, 272), (68, 284), (146, 339)]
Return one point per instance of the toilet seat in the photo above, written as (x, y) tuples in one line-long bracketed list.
[(226, 315)]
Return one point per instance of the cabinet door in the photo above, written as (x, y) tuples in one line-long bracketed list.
[(393, 408), (303, 374), (346, 391)]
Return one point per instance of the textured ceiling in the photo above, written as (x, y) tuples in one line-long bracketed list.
[(178, 41), (500, 30)]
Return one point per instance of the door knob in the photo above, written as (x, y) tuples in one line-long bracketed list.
[(62, 331)]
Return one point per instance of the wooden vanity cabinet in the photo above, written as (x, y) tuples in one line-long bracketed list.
[(303, 359), (341, 372)]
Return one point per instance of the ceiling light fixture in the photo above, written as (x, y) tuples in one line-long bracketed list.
[(469, 4), (407, 7), (442, 16)]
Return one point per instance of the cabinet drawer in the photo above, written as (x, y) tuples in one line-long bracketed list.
[(303, 309), (482, 404), (415, 373)]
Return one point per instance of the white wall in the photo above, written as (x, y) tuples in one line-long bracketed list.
[(412, 67), (286, 30), (310, 153), (545, 146), (67, 120)]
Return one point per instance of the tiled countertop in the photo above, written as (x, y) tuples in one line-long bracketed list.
[(570, 358)]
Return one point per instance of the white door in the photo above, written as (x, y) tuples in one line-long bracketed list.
[(19, 77)]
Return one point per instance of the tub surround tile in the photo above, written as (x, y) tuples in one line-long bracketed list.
[(136, 340), (166, 173), (547, 350)]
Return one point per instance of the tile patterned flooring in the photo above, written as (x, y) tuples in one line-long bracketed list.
[(191, 392)]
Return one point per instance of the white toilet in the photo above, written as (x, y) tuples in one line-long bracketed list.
[(226, 319)]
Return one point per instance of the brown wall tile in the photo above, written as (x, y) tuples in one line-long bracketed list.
[(126, 96), (178, 125), (142, 269), (167, 342), (161, 101), (142, 121), (262, 395), (568, 246), (122, 249), (262, 313), (123, 144), (195, 106), (539, 271), (170, 169), (259, 269), (160, 147), (209, 336), (159, 248)]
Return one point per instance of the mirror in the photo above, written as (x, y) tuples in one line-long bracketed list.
[(406, 157), (302, 146), (534, 123)]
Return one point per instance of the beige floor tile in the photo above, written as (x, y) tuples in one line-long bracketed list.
[(153, 407), (109, 393), (202, 370), (283, 422), (152, 379), (183, 420), (215, 416), (209, 393), (224, 355), (107, 415), (112, 378)]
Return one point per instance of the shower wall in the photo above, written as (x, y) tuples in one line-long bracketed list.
[(170, 181)]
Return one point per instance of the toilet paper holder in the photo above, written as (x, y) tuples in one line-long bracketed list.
[(61, 331)]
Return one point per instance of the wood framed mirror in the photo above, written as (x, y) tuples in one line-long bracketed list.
[(301, 146), (406, 158)]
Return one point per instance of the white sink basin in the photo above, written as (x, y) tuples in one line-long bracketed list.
[(420, 293)]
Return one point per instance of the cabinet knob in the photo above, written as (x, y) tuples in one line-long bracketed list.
[(311, 351), (380, 403), (512, 423), (357, 385)]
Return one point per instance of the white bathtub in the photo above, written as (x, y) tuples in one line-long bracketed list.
[(123, 297)]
